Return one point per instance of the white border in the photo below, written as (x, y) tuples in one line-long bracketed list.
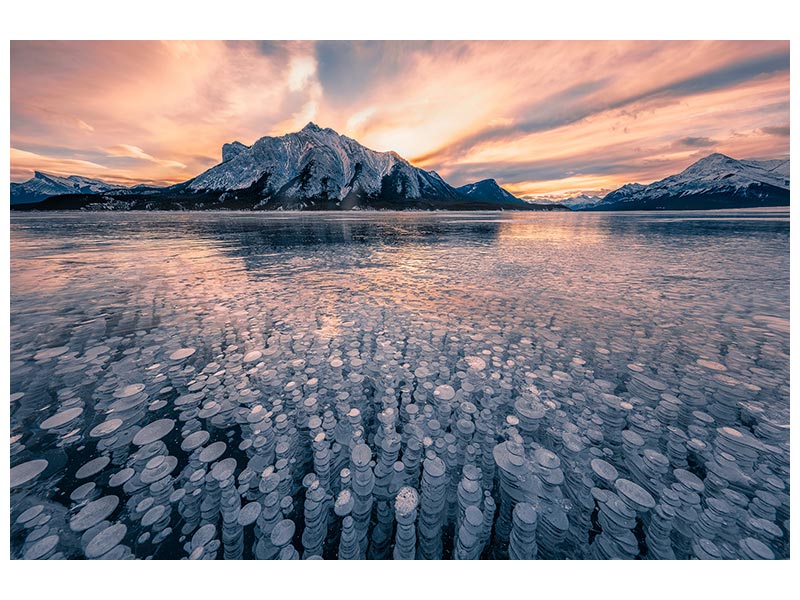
[(376, 19)]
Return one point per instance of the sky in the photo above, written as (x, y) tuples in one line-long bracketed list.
[(547, 120)]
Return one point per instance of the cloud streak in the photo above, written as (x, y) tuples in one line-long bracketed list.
[(696, 142), (126, 150), (781, 131), (543, 118), (23, 161)]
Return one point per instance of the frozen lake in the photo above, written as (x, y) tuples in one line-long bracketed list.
[(623, 378)]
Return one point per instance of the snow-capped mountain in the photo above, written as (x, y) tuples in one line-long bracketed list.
[(43, 185), (317, 167), (311, 169), (488, 190), (716, 181), (581, 202)]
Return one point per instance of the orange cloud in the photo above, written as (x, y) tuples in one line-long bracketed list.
[(29, 161)]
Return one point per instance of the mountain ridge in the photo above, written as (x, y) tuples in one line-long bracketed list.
[(312, 169), (581, 201), (318, 169), (715, 181), (44, 185)]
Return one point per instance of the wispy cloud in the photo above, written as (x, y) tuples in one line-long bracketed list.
[(696, 142), (127, 150), (23, 159), (780, 131)]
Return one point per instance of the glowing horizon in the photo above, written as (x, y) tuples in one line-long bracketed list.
[(545, 119)]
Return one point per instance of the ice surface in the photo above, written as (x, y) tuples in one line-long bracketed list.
[(406, 385)]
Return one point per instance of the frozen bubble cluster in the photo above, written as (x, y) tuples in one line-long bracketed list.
[(407, 386)]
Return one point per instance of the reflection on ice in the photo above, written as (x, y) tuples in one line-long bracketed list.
[(400, 386)]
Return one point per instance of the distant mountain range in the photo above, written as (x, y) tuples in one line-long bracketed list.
[(43, 185), (716, 181), (318, 169), (312, 169), (582, 202)]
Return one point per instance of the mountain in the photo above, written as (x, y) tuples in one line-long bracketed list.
[(488, 190), (581, 202), (623, 194), (311, 169), (43, 185), (716, 181), (316, 168)]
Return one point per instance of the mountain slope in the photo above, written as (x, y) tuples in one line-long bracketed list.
[(716, 181), (623, 194), (43, 185)]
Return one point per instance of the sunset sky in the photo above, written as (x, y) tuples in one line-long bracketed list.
[(546, 119)]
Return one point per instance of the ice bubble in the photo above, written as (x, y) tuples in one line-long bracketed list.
[(212, 452), (344, 503), (712, 365), (153, 515), (30, 513), (635, 493), (23, 473), (129, 391), (41, 548), (406, 500), (153, 431), (157, 405), (475, 362), (104, 541), (604, 470), (62, 418), (93, 513), (223, 469), (49, 353), (204, 535), (195, 440), (754, 549), (82, 492), (282, 533), (162, 469), (181, 354), (93, 467), (105, 428), (121, 477), (252, 356), (444, 392), (249, 513)]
